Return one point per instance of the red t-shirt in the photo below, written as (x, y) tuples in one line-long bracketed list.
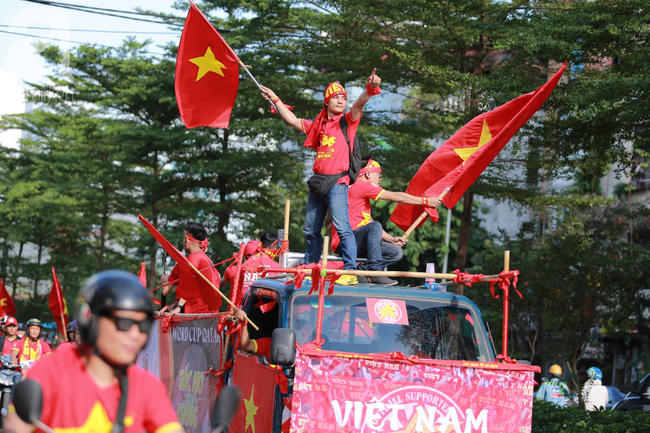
[(359, 196), (263, 347), (10, 345), (73, 400), (332, 154), (32, 350), (252, 268), (190, 288)]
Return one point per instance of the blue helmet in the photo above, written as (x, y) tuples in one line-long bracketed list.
[(594, 372)]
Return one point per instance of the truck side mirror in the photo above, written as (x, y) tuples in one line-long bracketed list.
[(28, 401), (283, 347)]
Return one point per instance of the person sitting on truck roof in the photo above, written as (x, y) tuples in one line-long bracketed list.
[(189, 299), (261, 257), (373, 242)]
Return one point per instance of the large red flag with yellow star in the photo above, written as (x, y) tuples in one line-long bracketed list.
[(7, 306), (57, 305), (207, 74), (460, 161)]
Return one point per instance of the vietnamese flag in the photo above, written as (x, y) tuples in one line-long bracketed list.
[(7, 306), (460, 161), (207, 74), (58, 306)]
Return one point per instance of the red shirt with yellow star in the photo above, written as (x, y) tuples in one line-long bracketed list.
[(359, 196), (73, 402), (332, 154)]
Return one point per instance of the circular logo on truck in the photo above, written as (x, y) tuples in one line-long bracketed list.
[(388, 311)]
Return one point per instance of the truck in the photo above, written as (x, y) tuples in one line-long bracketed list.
[(362, 358)]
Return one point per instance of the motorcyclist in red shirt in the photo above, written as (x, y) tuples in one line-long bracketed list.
[(34, 348), (96, 387)]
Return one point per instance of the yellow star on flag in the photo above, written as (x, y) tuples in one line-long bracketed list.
[(3, 302), (466, 152), (65, 307), (97, 422), (387, 311), (208, 63), (251, 410)]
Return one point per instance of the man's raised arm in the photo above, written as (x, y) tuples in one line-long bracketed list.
[(372, 88), (284, 112)]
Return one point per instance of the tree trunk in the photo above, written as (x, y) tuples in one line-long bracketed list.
[(38, 262), (17, 270), (102, 232), (463, 238)]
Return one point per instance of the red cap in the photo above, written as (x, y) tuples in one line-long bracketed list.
[(11, 321), (371, 167), (251, 247), (332, 90)]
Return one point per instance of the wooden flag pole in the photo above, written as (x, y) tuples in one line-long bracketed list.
[(287, 212), (417, 222), (219, 292)]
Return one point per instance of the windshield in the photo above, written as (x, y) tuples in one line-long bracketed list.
[(425, 328)]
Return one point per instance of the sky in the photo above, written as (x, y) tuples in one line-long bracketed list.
[(20, 62)]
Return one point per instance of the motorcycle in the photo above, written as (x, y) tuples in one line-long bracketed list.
[(7, 372)]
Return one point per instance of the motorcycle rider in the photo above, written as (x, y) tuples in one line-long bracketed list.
[(594, 394), (70, 332), (21, 330), (76, 341), (553, 390), (95, 386), (34, 348), (10, 343)]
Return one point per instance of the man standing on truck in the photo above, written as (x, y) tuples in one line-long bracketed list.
[(261, 257), (332, 158), (93, 387), (189, 299), (373, 242)]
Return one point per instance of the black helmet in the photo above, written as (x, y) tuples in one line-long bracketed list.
[(105, 292), (70, 328), (35, 322), (21, 326)]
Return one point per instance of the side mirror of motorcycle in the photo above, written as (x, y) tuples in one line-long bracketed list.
[(224, 409), (283, 347), (28, 401)]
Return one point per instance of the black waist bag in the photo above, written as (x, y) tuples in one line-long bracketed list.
[(321, 184)]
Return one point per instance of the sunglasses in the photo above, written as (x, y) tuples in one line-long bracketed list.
[(123, 324)]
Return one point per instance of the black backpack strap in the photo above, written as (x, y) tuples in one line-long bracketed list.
[(344, 127)]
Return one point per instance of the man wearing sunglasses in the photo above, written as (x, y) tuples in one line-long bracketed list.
[(95, 386), (378, 247)]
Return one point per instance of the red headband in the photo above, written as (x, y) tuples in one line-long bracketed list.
[(202, 244), (332, 90), (371, 167)]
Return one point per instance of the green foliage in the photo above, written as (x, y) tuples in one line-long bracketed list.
[(550, 417)]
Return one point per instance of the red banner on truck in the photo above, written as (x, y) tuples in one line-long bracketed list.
[(180, 353), (347, 394)]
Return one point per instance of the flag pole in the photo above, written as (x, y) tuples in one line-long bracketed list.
[(260, 87), (417, 222)]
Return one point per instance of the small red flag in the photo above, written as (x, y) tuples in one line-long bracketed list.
[(460, 161), (207, 74), (209, 295), (142, 275), (7, 306), (57, 304)]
